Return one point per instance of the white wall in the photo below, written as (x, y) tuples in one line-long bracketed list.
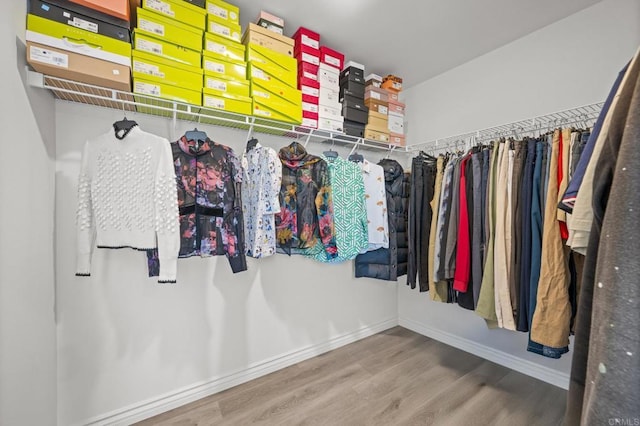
[(27, 327), (123, 339), (570, 63)]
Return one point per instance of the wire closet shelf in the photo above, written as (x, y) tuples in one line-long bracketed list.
[(73, 91), (582, 116), (77, 92)]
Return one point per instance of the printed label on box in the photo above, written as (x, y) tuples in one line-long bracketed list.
[(219, 29), (310, 122), (307, 74), (262, 112), (212, 46), (147, 89), (214, 66), (331, 60), (329, 78), (149, 46), (311, 91), (330, 111), (212, 83), (308, 41), (261, 94), (374, 95), (85, 25), (258, 73), (218, 11), (306, 57), (214, 102), (49, 57), (161, 7), (152, 27), (383, 109), (149, 69), (332, 96), (306, 106)]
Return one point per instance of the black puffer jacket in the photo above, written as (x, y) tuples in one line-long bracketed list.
[(389, 264)]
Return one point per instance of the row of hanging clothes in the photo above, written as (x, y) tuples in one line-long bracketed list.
[(485, 233), (197, 197)]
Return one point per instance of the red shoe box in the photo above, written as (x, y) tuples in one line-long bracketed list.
[(306, 37), (331, 57), (307, 70), (310, 90), (309, 114), (308, 54)]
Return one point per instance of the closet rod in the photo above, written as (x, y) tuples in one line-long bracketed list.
[(541, 123)]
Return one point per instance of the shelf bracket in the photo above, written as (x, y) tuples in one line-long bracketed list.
[(34, 79)]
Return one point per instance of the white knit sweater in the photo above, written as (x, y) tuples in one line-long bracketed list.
[(127, 198)]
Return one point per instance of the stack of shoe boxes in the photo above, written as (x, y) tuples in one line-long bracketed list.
[(307, 53), (167, 51), (377, 100), (273, 73), (100, 53), (354, 110), (393, 86), (330, 108), (226, 86)]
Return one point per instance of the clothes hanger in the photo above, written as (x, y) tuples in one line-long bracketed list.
[(124, 126), (354, 156), (196, 135), (251, 143), (331, 153)]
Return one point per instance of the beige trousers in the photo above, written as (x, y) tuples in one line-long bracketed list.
[(550, 326)]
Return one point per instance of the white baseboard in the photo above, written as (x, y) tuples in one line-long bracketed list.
[(166, 402), (515, 363)]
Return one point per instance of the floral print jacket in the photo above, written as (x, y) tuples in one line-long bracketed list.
[(208, 178), (305, 222), (262, 178)]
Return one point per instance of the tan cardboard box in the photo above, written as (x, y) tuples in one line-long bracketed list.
[(73, 66)]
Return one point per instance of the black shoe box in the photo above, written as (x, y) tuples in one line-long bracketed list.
[(353, 71), (353, 128), (358, 114), (77, 15)]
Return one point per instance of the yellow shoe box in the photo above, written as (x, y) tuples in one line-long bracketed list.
[(77, 36), (274, 110), (274, 93), (167, 91), (263, 55), (179, 10), (154, 68), (255, 34), (143, 42), (223, 10), (156, 25), (223, 101), (223, 28), (376, 135), (230, 87), (214, 66), (224, 48), (270, 73)]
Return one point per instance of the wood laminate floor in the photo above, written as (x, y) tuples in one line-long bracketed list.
[(396, 377)]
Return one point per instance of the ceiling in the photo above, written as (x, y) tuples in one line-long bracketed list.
[(414, 39)]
